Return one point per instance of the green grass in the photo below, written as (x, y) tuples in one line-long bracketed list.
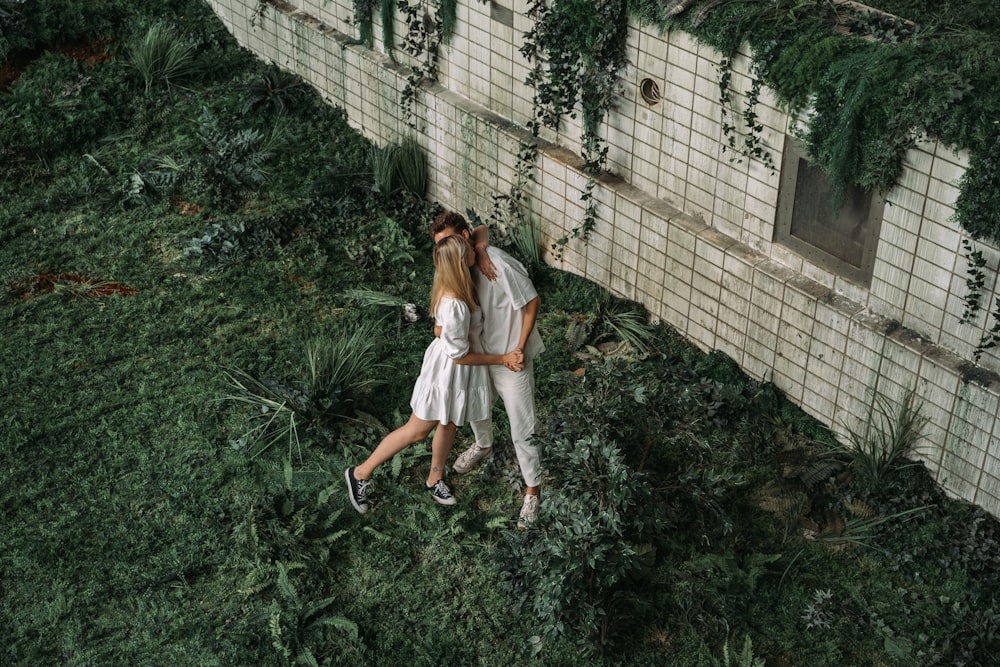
[(139, 529)]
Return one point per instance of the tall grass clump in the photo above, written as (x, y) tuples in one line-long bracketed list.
[(526, 242), (411, 165), (162, 55), (339, 370), (889, 434), (382, 162)]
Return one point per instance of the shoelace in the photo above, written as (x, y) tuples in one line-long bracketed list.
[(362, 488), (440, 490)]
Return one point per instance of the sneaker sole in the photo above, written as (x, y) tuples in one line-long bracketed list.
[(442, 501), (350, 493)]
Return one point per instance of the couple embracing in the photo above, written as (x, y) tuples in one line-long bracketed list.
[(484, 307)]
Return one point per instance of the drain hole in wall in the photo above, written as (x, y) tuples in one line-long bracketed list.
[(650, 91)]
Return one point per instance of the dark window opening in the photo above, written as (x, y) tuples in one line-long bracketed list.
[(843, 240)]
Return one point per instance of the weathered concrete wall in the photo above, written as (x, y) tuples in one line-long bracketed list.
[(682, 229)]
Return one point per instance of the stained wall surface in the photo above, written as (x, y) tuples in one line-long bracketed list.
[(682, 228)]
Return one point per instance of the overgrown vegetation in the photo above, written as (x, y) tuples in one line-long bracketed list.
[(691, 516), (870, 89)]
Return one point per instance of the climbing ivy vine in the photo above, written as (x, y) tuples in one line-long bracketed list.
[(866, 83), (364, 12), (576, 49), (424, 34)]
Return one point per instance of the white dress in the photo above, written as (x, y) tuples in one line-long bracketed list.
[(445, 391)]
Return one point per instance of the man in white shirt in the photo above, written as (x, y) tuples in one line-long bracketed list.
[(510, 308)]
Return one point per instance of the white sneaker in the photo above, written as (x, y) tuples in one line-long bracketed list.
[(529, 511), (471, 458)]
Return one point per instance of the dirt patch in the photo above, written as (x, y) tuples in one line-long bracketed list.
[(88, 53), (72, 283)]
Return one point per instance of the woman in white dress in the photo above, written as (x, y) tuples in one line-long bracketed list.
[(453, 387)]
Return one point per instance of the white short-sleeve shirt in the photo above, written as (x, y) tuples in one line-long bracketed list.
[(503, 301)]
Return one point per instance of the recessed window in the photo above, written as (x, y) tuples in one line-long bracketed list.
[(842, 240), (650, 91)]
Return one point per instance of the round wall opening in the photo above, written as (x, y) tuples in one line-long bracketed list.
[(650, 91)]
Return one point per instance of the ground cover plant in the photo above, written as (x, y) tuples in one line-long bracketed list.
[(213, 297)]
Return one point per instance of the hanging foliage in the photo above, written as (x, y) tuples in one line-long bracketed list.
[(870, 83), (577, 48), (364, 12)]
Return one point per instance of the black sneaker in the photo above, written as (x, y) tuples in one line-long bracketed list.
[(441, 493), (357, 489)]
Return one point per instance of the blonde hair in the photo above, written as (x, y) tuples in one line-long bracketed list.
[(451, 273)]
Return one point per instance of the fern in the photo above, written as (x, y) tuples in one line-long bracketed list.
[(745, 658), (497, 523), (340, 623), (284, 585), (274, 627), (852, 103), (236, 163)]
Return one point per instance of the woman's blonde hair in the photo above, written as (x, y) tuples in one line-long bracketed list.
[(451, 272)]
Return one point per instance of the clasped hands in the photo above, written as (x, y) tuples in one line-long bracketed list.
[(514, 360)]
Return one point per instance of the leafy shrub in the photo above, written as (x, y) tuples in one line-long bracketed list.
[(57, 106), (11, 21), (576, 567), (381, 245), (26, 25), (566, 291), (711, 587)]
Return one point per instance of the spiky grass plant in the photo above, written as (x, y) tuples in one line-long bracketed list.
[(162, 55), (275, 89), (374, 298), (411, 166), (338, 371), (274, 419), (526, 241), (887, 436), (382, 162)]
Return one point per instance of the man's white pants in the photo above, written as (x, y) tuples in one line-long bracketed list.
[(517, 390)]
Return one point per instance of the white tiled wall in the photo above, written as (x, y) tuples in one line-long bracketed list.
[(682, 227)]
